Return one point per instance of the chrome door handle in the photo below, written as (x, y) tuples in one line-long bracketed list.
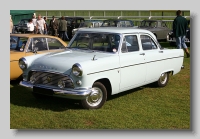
[(142, 54)]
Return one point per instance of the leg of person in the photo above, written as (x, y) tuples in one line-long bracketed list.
[(56, 32), (178, 42), (184, 46)]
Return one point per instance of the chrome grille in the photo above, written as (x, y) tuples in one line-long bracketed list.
[(50, 79)]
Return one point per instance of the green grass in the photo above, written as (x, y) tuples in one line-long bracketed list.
[(145, 107)]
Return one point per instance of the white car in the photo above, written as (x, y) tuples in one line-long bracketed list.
[(99, 62)]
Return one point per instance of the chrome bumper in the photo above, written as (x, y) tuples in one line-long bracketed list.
[(68, 93)]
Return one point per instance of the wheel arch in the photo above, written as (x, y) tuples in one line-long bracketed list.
[(107, 84)]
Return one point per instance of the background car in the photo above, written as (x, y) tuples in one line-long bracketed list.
[(87, 24), (157, 27), (28, 44), (117, 23), (72, 23), (100, 62), (21, 27)]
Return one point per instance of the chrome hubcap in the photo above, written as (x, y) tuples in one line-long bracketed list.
[(163, 78), (95, 97)]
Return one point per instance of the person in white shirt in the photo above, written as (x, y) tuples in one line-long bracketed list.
[(30, 26), (35, 24), (41, 26)]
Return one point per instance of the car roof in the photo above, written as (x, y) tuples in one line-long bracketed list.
[(151, 20), (74, 17), (116, 20), (31, 35), (115, 30)]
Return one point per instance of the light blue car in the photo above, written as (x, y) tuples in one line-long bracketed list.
[(99, 62)]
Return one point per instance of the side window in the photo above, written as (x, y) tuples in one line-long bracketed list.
[(163, 24), (128, 24), (54, 44), (147, 43), (38, 43), (130, 44)]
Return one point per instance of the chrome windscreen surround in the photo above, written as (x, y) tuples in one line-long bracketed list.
[(50, 78)]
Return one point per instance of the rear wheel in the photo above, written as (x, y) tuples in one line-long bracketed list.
[(163, 80), (97, 98)]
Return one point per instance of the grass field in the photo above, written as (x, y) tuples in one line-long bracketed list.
[(145, 107)]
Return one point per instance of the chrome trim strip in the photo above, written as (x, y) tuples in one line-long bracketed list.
[(67, 93), (133, 65)]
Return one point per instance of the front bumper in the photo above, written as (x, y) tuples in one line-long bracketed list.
[(67, 93)]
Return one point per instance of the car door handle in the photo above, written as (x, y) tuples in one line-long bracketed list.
[(160, 51), (142, 54)]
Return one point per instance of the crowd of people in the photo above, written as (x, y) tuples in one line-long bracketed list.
[(40, 25)]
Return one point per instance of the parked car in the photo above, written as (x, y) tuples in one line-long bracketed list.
[(157, 27), (87, 24), (72, 23), (25, 44), (117, 23), (21, 26), (99, 62)]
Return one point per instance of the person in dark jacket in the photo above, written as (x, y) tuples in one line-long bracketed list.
[(180, 25), (62, 28), (53, 26)]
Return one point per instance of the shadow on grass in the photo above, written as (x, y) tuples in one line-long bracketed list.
[(22, 96)]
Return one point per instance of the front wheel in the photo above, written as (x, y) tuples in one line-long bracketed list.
[(163, 80), (97, 98)]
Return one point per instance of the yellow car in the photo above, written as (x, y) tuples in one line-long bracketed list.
[(29, 44)]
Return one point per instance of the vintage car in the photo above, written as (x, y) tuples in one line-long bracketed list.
[(157, 27), (72, 23), (100, 62), (24, 45), (87, 24), (21, 27), (117, 23)]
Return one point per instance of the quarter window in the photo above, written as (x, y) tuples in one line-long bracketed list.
[(147, 43)]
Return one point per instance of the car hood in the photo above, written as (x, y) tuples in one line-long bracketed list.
[(62, 62)]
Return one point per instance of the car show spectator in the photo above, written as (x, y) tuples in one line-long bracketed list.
[(30, 26), (62, 28), (34, 20), (46, 31), (53, 26), (180, 25), (11, 25), (41, 26)]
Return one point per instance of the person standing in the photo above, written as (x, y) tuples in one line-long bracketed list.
[(30, 26), (62, 28), (11, 25), (34, 20), (41, 26), (53, 26), (180, 25), (46, 31)]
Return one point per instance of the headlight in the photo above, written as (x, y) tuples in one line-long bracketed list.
[(77, 70), (23, 63)]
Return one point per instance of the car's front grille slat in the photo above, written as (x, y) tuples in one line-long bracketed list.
[(50, 79)]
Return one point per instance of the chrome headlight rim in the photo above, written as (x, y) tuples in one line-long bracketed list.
[(25, 63), (77, 70)]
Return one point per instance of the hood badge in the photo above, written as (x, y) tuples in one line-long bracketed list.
[(93, 59)]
